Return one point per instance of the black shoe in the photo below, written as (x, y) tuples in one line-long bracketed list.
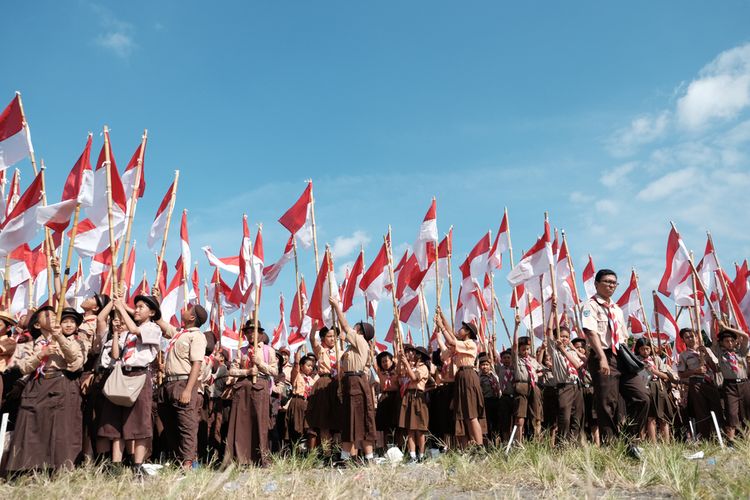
[(138, 472), (635, 452)]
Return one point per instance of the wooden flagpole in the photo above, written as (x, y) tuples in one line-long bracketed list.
[(108, 166), (656, 323), (258, 286), (423, 314), (329, 278), (48, 246), (510, 253), (640, 301), (437, 261), (160, 259), (695, 315), (68, 258), (502, 318), (396, 315), (314, 229), (723, 281), (26, 126), (450, 281)]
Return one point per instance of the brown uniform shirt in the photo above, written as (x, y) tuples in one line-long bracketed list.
[(740, 355), (185, 347), (464, 353), (355, 357), (423, 373), (595, 318), (326, 359), (70, 356)]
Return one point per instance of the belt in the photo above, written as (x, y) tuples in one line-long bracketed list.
[(735, 380), (696, 380), (297, 396), (174, 378), (328, 375), (468, 367), (414, 391), (565, 384), (354, 373), (134, 369), (52, 374)]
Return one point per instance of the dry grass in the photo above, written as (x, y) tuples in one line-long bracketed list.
[(533, 472)]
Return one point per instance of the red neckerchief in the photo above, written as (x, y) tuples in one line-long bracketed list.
[(40, 369), (507, 378), (530, 371), (131, 341), (610, 307), (731, 358)]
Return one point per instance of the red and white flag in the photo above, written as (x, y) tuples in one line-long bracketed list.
[(14, 194), (229, 264), (156, 233), (174, 299), (298, 219), (131, 172), (245, 279), (279, 333), (127, 273), (427, 238), (628, 301), (664, 319), (374, 280), (741, 289), (535, 261), (20, 226), (445, 249), (473, 271), (91, 239), (185, 255), (566, 289), (325, 287), (98, 211), (79, 188), (15, 137), (256, 269), (270, 273), (501, 244), (300, 323), (677, 266), (20, 262), (588, 276), (98, 269), (352, 283)]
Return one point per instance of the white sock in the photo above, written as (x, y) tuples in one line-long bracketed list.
[(413, 454), (345, 455), (369, 456)]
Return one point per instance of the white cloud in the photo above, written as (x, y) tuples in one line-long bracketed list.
[(720, 92), (344, 246), (642, 130), (666, 185), (117, 35), (607, 207), (618, 174), (580, 198)]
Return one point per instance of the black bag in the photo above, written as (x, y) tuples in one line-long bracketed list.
[(627, 363)]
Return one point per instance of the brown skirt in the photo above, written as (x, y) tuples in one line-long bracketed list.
[(468, 401), (324, 406), (122, 422), (414, 414), (296, 423), (359, 410), (387, 412), (660, 405), (249, 423), (49, 425)]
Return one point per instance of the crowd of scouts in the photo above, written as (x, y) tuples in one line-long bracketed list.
[(201, 403)]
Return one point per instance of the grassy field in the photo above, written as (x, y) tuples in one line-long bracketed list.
[(533, 472)]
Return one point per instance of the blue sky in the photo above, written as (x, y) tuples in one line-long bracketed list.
[(614, 118)]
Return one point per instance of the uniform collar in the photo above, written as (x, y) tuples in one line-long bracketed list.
[(601, 300)]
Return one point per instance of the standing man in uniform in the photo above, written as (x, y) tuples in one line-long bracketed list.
[(604, 326)]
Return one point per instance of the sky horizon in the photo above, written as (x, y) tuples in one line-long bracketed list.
[(615, 119)]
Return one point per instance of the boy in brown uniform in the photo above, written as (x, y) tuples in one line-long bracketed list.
[(182, 369), (732, 350), (604, 325), (359, 407), (505, 407)]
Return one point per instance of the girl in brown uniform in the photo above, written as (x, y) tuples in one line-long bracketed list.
[(49, 423), (302, 383), (660, 412), (468, 402), (389, 405), (414, 416), (324, 405)]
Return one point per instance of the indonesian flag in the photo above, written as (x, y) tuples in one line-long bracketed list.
[(127, 274), (233, 341), (409, 279), (319, 308), (98, 211), (664, 320), (298, 219), (410, 312), (280, 333), (445, 250), (732, 303), (677, 266), (741, 289), (141, 289), (270, 273), (15, 137), (3, 184), (196, 282), (100, 265), (374, 280), (256, 269), (352, 283), (131, 172), (529, 307), (536, 260), (160, 221), (475, 265), (229, 264), (174, 297), (566, 290), (589, 275), (73, 294), (245, 280), (218, 291), (501, 244), (299, 322), (14, 194), (79, 188), (21, 261), (91, 239), (636, 325), (427, 237), (629, 302), (185, 255), (683, 291), (21, 226)]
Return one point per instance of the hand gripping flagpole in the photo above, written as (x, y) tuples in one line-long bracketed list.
[(160, 259)]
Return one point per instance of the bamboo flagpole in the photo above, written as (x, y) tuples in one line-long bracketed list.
[(502, 318), (510, 253), (314, 229), (450, 279), (329, 278), (699, 282), (26, 126), (695, 315), (396, 315), (255, 316), (437, 260), (68, 258), (108, 166), (656, 323), (163, 249), (723, 281), (423, 314), (646, 322)]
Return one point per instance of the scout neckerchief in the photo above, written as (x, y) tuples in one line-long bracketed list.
[(308, 385), (130, 346), (387, 382), (650, 362), (532, 374), (731, 358), (572, 371), (610, 307), (334, 363), (494, 384), (174, 340), (507, 378), (40, 369)]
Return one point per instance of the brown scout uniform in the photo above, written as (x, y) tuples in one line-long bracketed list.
[(359, 407)]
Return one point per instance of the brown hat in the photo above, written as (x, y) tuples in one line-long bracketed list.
[(250, 324), (70, 312), (368, 331), (152, 304), (472, 329), (33, 330), (8, 318), (422, 352), (200, 315)]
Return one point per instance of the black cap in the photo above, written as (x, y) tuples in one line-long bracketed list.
[(152, 304), (727, 333), (70, 312), (33, 330), (368, 331), (250, 324), (423, 354), (382, 355), (200, 315), (472, 329)]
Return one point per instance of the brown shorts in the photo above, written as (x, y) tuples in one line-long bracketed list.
[(527, 402)]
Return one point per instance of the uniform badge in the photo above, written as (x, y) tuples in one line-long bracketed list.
[(586, 313)]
